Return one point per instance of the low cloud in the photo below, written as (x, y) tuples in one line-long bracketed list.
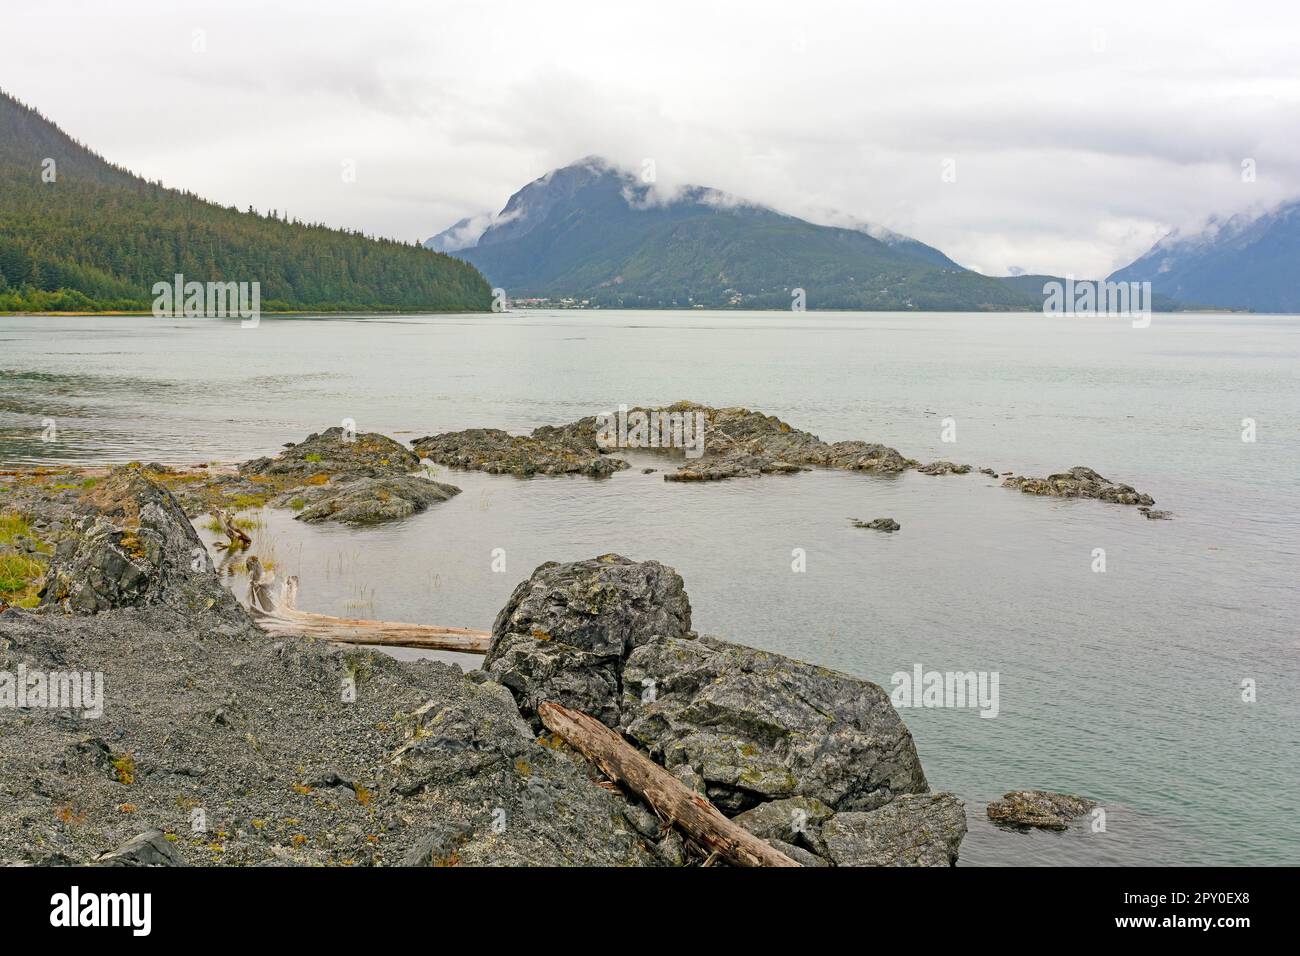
[(1078, 136)]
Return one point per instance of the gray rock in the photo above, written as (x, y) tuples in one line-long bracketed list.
[(468, 764), (336, 452), (1152, 514), (671, 850), (944, 468), (565, 633), (798, 854), (1041, 809), (760, 727), (688, 775), (133, 546), (440, 847), (913, 830), (366, 500), (548, 451), (1080, 482), (151, 848), (877, 524), (645, 822), (794, 820)]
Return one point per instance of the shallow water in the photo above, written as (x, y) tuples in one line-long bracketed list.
[(1124, 685)]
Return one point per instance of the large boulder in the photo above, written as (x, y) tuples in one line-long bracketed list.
[(611, 637), (132, 546), (566, 632), (758, 726)]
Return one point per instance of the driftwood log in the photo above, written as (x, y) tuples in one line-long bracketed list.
[(669, 797), (238, 539), (260, 580), (283, 617)]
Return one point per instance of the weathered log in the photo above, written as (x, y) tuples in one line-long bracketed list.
[(260, 580), (669, 797), (285, 618)]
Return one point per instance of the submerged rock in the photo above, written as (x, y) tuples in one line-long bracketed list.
[(877, 524), (366, 500), (1043, 809), (1080, 482), (548, 451), (1154, 515)]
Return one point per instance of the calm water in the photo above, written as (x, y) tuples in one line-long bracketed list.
[(1124, 685)]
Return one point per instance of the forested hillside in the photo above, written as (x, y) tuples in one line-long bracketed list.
[(97, 238)]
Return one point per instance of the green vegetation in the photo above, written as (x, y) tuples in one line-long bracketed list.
[(21, 573), (97, 238)]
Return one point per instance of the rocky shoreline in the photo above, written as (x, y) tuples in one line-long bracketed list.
[(219, 745)]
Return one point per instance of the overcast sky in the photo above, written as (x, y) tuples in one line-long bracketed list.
[(1080, 133)]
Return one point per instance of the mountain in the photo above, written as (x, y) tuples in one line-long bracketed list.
[(1033, 285), (96, 237), (1244, 262), (590, 231)]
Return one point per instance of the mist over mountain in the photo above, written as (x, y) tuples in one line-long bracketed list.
[(591, 231), (1242, 262)]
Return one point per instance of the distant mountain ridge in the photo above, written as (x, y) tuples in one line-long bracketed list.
[(1243, 262), (91, 236), (591, 231)]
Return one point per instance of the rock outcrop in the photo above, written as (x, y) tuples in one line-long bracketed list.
[(739, 443), (763, 736), (131, 546), (913, 830), (364, 499), (333, 475), (944, 468), (337, 451), (1041, 809), (758, 726), (1080, 482), (548, 451), (877, 524)]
